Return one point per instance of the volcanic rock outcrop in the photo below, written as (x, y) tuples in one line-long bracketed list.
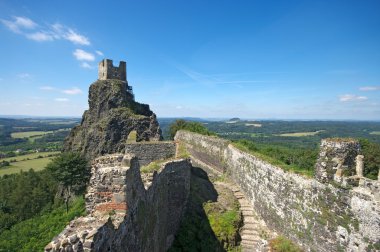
[(112, 115)]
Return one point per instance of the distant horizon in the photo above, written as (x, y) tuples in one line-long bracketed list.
[(192, 117)]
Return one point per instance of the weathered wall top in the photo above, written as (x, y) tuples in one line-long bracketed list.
[(337, 158), (107, 71), (319, 215)]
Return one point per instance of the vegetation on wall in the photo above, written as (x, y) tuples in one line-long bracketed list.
[(371, 152), (190, 126), (298, 160)]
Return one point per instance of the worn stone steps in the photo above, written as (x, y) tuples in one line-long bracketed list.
[(250, 233)]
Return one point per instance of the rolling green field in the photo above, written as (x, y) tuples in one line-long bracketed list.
[(23, 164), (29, 134), (30, 156), (300, 134)]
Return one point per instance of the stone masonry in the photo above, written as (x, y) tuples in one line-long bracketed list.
[(122, 214), (147, 152), (337, 159), (318, 216)]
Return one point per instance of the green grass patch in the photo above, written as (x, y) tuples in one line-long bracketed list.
[(223, 223), (28, 134), (375, 133), (35, 233), (182, 151), (299, 162), (22, 128), (282, 244), (301, 134), (36, 164), (153, 166), (30, 156), (132, 136)]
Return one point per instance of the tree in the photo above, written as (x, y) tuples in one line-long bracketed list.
[(72, 171), (190, 126)]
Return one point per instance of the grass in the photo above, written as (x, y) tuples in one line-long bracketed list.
[(153, 166), (301, 134), (33, 135), (282, 244), (276, 162), (375, 133), (34, 163), (182, 151), (35, 233), (132, 137), (29, 156), (29, 134), (258, 125), (62, 122)]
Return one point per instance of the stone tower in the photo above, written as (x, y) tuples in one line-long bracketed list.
[(107, 71), (337, 158)]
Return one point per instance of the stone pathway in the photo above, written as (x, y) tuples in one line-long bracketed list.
[(254, 232), (253, 229)]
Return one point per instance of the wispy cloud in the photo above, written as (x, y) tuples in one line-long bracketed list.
[(82, 55), (47, 88), (99, 53), (41, 33), (350, 97), (40, 36), (72, 91), (76, 38), (24, 76), (61, 99), (86, 65), (18, 24), (369, 88)]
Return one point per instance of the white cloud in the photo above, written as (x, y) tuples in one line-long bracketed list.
[(76, 38), (99, 53), (53, 32), (61, 99), (178, 107), (24, 76), (40, 36), (369, 88), (350, 97), (86, 65), (48, 88), (18, 24), (73, 91), (82, 55)]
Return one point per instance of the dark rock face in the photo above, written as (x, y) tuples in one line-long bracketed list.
[(112, 115)]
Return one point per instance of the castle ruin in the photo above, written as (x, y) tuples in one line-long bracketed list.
[(107, 71)]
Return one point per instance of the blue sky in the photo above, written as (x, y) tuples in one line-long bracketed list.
[(249, 59)]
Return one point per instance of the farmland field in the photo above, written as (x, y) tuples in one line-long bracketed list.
[(300, 134), (35, 164), (29, 134), (29, 156)]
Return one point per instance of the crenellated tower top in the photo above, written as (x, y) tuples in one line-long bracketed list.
[(107, 71)]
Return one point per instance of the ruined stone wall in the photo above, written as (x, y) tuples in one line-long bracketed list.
[(123, 215), (147, 152), (318, 216), (106, 70)]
